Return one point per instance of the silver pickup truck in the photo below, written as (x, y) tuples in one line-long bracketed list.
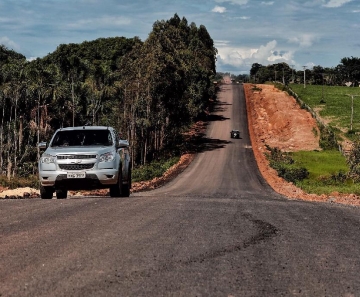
[(85, 158)]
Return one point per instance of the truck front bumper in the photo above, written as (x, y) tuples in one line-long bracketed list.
[(93, 179)]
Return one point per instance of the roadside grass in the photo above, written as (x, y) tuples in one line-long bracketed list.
[(333, 104), (315, 172), (327, 172), (327, 169), (31, 181)]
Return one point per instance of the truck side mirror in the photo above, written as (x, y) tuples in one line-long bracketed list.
[(42, 145), (123, 143)]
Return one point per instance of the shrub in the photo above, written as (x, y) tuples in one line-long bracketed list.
[(31, 181), (152, 170), (284, 165), (293, 174), (256, 88), (335, 179), (276, 155), (327, 138), (351, 132), (353, 161)]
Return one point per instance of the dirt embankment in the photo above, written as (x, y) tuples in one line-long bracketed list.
[(277, 120)]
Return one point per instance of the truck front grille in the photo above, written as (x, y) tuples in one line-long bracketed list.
[(72, 157), (76, 166)]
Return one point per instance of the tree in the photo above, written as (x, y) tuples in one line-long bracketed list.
[(39, 88), (350, 69), (165, 84), (353, 161), (99, 88), (255, 67), (151, 91), (14, 90)]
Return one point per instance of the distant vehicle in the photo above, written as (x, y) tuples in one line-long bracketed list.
[(235, 134), (85, 158)]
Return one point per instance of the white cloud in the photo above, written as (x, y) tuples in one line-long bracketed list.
[(222, 43), (314, 3), (267, 52), (267, 3), (9, 43), (242, 58), (236, 2), (219, 9), (103, 21), (336, 3), (236, 57), (235, 18), (304, 40)]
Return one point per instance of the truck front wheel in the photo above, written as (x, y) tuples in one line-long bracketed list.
[(46, 192), (61, 194), (115, 190)]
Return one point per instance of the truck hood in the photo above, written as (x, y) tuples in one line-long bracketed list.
[(79, 150)]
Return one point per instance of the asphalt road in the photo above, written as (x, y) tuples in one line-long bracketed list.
[(216, 230)]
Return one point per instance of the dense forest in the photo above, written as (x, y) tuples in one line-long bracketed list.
[(150, 91), (345, 73)]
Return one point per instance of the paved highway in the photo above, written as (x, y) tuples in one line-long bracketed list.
[(216, 230)]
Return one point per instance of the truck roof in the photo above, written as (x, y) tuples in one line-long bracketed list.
[(86, 128)]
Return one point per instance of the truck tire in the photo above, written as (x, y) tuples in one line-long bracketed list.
[(46, 192), (125, 190), (115, 190), (61, 194)]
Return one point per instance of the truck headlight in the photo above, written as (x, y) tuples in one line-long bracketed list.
[(46, 158), (107, 157)]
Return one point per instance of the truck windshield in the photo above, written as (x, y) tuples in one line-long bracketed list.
[(82, 138)]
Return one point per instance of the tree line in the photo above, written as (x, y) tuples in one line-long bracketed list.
[(150, 91), (345, 73)]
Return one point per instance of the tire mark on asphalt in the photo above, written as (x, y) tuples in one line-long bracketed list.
[(265, 232)]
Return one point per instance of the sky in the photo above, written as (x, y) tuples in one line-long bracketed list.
[(298, 32)]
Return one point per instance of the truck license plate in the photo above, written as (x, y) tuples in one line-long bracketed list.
[(76, 175)]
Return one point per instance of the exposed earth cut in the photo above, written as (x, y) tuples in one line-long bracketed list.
[(275, 119)]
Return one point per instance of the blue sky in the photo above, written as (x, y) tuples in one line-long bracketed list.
[(298, 32)]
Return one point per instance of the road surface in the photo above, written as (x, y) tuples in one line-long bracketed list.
[(216, 230)]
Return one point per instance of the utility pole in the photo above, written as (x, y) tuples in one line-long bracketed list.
[(322, 86), (73, 100), (304, 76), (38, 128), (292, 73), (352, 109)]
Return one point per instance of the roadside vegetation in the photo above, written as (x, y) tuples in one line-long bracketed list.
[(331, 169), (153, 170), (316, 172), (150, 91), (335, 105)]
